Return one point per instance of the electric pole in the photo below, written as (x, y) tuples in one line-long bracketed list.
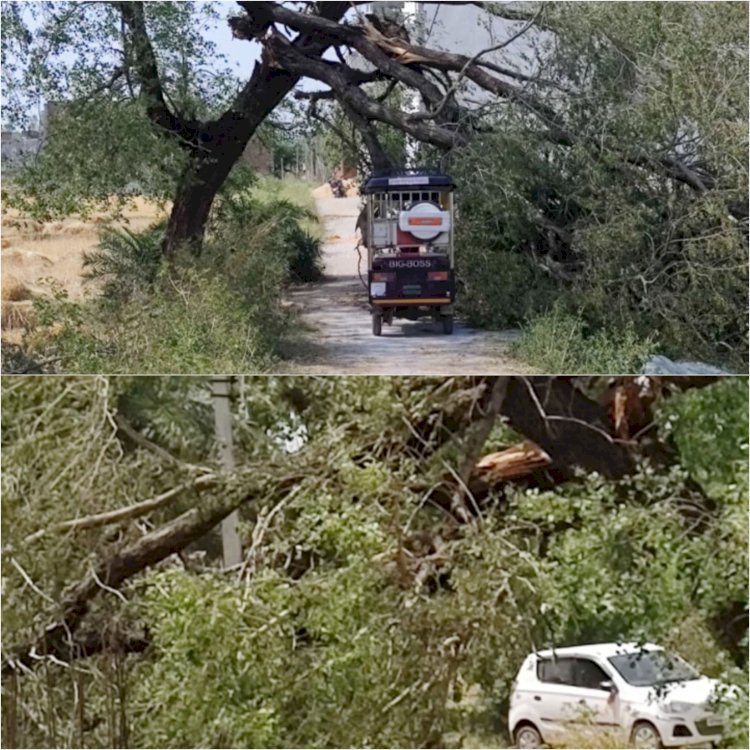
[(222, 388)]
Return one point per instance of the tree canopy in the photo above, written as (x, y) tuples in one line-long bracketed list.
[(406, 542), (600, 150)]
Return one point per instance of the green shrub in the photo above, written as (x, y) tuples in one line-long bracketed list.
[(305, 261), (125, 261), (190, 321), (246, 226), (561, 342), (219, 311)]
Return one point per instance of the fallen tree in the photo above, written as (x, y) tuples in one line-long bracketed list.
[(568, 431)]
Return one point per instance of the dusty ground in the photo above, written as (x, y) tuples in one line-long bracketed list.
[(338, 335), (37, 257)]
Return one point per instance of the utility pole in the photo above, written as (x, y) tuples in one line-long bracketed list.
[(222, 388)]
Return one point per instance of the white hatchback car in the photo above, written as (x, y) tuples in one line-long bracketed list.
[(641, 694)]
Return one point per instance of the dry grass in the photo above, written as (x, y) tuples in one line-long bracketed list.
[(33, 251), (15, 290), (18, 315)]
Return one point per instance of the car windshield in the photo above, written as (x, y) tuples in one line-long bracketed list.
[(646, 668)]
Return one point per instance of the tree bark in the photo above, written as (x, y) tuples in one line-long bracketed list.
[(195, 194), (58, 639), (572, 428)]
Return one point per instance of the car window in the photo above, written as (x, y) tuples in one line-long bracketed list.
[(589, 675), (571, 671), (644, 668), (558, 671)]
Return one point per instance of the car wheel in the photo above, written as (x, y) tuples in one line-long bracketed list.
[(645, 735), (527, 735), (377, 324)]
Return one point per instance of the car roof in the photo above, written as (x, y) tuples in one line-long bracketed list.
[(406, 179), (602, 650)]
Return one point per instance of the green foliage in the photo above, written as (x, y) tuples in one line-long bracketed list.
[(712, 440), (189, 321), (594, 217), (340, 630), (220, 311), (561, 342), (67, 176), (98, 117), (263, 223), (127, 262)]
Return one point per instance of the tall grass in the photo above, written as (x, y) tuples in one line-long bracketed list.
[(218, 312), (560, 341)]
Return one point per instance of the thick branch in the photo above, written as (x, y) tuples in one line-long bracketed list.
[(57, 639), (124, 514), (370, 43), (334, 75), (573, 429)]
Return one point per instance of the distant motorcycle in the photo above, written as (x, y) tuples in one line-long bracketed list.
[(337, 187)]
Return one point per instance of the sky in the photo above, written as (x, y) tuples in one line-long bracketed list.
[(458, 28), (241, 55)]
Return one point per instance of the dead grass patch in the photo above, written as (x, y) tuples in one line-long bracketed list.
[(15, 290), (18, 315), (62, 245)]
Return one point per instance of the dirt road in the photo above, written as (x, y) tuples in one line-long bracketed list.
[(337, 336)]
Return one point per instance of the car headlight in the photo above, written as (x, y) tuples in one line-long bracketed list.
[(676, 707)]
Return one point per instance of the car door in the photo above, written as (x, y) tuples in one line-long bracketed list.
[(573, 701), (596, 705), (552, 693)]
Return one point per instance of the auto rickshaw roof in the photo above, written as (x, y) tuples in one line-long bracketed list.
[(386, 180)]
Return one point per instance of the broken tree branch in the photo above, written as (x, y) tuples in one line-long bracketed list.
[(476, 439), (56, 640), (124, 514)]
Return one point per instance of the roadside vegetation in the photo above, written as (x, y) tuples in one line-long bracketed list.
[(220, 310), (378, 605), (572, 230), (566, 226)]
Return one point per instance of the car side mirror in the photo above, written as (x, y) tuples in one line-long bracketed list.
[(608, 685)]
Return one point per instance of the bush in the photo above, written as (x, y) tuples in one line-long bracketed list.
[(274, 227), (562, 342), (219, 311), (305, 261), (125, 261), (189, 321)]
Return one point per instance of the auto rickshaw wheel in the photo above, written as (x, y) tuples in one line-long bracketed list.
[(377, 324), (447, 324)]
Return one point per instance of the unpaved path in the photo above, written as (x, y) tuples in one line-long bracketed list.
[(337, 336)]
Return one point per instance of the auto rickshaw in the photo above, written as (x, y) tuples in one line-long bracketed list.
[(408, 232)]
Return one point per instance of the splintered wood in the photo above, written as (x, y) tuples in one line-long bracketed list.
[(515, 462)]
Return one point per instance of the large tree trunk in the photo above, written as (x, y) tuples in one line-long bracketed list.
[(196, 190)]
